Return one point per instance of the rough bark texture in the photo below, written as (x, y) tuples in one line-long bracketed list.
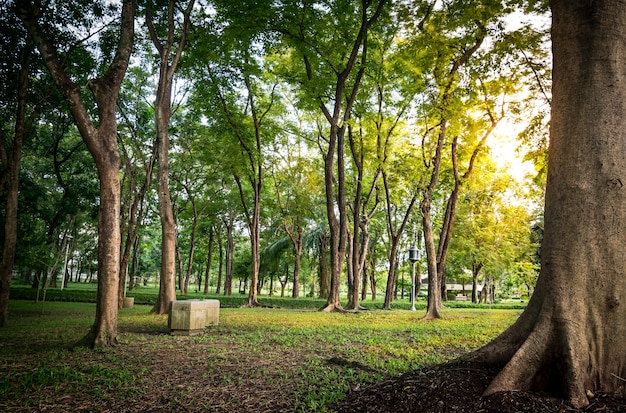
[(572, 337)]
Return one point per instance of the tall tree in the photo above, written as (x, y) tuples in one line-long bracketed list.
[(170, 42), (333, 65), (446, 77), (244, 91), (100, 136), (10, 161), (571, 338)]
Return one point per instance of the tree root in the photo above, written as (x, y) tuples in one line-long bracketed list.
[(333, 308), (536, 366)]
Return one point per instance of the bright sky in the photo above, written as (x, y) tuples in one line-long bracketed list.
[(504, 145)]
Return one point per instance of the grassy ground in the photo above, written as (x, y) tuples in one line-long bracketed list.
[(256, 360)]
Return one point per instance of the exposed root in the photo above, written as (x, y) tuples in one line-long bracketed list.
[(536, 367), (256, 304), (357, 308), (333, 308), (618, 377), (432, 314)]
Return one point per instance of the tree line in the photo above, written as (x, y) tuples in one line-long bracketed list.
[(329, 135)]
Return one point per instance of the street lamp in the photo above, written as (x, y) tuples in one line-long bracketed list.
[(414, 256)]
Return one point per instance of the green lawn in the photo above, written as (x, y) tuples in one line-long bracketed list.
[(81, 292), (256, 360)]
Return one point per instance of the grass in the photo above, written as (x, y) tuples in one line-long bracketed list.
[(81, 292), (254, 360)]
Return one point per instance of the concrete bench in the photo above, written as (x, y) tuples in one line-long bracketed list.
[(460, 297), (189, 317)]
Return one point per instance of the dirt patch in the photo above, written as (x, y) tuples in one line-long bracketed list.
[(456, 388)]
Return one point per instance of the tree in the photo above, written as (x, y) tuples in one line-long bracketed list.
[(331, 43), (100, 136), (170, 43), (571, 338), (9, 178)]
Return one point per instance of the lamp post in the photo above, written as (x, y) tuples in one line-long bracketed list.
[(414, 256)]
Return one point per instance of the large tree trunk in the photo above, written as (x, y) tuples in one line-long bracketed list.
[(104, 331), (572, 336), (10, 179), (102, 144)]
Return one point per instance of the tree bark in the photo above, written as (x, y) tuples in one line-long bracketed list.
[(572, 336)]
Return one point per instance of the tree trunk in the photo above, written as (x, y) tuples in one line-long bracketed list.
[(392, 275), (572, 336), (434, 291), (192, 244), (220, 269), (324, 273), (360, 217), (11, 175), (337, 236), (255, 240), (373, 277), (230, 251), (209, 260), (169, 58), (476, 268), (296, 239), (102, 144), (182, 281), (104, 331)]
